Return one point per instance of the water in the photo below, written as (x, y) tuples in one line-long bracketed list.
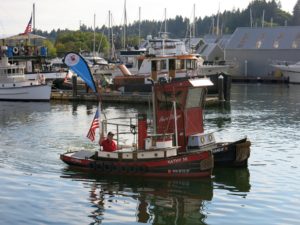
[(37, 188)]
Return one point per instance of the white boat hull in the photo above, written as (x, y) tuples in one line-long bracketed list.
[(47, 76), (26, 93), (290, 71), (206, 70), (294, 77)]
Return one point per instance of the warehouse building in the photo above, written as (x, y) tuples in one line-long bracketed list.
[(254, 50)]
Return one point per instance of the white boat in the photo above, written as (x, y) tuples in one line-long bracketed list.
[(33, 58), (164, 50), (290, 71), (16, 87)]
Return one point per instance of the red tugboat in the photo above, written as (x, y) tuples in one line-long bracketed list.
[(163, 153), (176, 148)]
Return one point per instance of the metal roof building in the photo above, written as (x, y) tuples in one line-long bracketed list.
[(255, 49)]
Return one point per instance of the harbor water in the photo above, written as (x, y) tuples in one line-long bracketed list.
[(38, 188)]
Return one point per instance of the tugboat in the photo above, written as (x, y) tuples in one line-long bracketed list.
[(176, 148)]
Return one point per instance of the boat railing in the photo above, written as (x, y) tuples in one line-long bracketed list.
[(121, 130)]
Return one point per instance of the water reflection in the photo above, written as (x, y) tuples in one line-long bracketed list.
[(22, 112), (218, 116), (232, 179), (155, 201)]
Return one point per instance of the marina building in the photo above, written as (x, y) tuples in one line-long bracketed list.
[(254, 50)]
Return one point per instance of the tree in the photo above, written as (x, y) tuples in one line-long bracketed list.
[(51, 48), (79, 41), (296, 14)]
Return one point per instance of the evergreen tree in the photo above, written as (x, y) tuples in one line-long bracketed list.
[(296, 14)]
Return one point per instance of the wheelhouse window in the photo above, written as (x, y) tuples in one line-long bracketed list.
[(179, 64), (163, 64), (195, 97), (190, 64), (165, 99)]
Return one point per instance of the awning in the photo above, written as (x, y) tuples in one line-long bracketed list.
[(28, 36), (201, 82)]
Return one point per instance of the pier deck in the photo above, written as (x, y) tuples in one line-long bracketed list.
[(114, 97)]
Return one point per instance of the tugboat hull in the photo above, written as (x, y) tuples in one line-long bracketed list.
[(197, 164), (233, 154)]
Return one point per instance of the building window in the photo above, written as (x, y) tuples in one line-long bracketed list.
[(243, 40), (276, 44), (258, 44), (296, 42)]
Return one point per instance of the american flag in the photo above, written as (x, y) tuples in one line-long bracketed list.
[(29, 26), (95, 124)]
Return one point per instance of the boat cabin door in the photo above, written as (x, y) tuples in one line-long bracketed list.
[(172, 68), (154, 70)]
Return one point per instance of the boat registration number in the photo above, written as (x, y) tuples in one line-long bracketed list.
[(216, 150)]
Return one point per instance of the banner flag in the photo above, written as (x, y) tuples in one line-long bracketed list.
[(80, 67)]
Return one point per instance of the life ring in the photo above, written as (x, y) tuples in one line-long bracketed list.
[(202, 140), (15, 50)]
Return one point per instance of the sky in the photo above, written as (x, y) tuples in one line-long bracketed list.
[(69, 14)]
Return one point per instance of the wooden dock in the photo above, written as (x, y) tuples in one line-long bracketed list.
[(113, 97)]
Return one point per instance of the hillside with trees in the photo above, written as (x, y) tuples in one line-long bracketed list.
[(258, 13)]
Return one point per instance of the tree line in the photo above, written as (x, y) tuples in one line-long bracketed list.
[(258, 13)]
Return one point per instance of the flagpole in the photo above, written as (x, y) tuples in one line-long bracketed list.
[(100, 122), (33, 15)]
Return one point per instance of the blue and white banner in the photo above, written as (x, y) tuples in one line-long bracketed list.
[(76, 63)]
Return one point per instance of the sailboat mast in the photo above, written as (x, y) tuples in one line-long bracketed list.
[(111, 34), (94, 44), (139, 26), (124, 26), (218, 21), (194, 22), (165, 20)]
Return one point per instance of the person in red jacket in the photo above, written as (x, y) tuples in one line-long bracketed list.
[(108, 144)]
